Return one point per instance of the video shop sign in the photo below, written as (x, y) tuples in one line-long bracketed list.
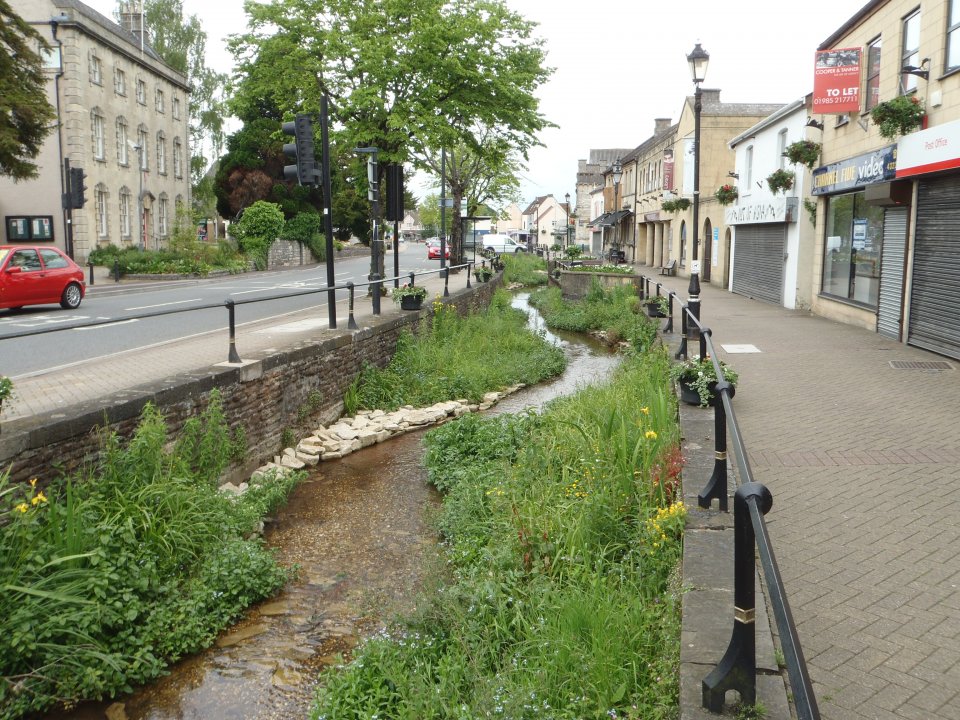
[(836, 81)]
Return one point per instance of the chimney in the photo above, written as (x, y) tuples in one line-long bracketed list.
[(710, 96), (131, 20), (660, 126)]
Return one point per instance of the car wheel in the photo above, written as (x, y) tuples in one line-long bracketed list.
[(71, 297)]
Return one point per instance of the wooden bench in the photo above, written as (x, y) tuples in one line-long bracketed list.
[(670, 268)]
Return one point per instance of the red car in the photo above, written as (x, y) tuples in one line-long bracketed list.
[(433, 249), (38, 275)]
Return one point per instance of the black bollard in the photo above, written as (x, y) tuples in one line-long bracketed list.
[(351, 322), (232, 356)]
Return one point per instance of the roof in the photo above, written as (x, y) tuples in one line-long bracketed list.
[(532, 207), (771, 119), (609, 219)]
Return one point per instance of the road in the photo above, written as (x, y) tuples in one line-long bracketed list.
[(120, 331)]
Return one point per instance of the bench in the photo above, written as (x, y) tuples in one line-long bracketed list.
[(670, 268)]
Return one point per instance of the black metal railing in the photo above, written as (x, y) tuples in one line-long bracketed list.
[(737, 668), (374, 283)]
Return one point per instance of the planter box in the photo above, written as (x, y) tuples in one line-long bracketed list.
[(411, 303)]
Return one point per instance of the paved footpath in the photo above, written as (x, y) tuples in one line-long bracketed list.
[(863, 461)]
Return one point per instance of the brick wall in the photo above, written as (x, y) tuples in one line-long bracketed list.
[(264, 397)]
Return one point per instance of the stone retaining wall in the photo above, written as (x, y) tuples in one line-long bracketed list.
[(575, 285), (290, 388)]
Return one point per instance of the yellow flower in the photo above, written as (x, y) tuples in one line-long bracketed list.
[(38, 498), (650, 435), (645, 410), (33, 483), (22, 507)]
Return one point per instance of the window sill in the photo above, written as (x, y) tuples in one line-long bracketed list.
[(847, 301)]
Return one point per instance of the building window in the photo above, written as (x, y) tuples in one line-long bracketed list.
[(782, 148), (123, 157), (96, 70), (176, 108), (162, 214), (177, 158), (141, 92), (748, 162), (144, 154), (119, 81), (161, 153), (911, 51), (96, 121), (873, 74), (160, 105), (683, 243), (101, 195), (851, 257), (953, 36), (126, 202)]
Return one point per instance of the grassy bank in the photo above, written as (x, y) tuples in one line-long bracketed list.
[(458, 357), (616, 312), (110, 576), (525, 269), (558, 594)]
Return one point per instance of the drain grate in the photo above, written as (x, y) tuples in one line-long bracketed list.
[(920, 365)]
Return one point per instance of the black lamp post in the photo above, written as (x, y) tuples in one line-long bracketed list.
[(567, 198), (698, 60), (617, 174)]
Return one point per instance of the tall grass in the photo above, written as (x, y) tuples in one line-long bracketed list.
[(108, 577), (524, 269), (616, 311), (458, 357), (561, 543)]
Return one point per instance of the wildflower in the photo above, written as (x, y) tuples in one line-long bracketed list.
[(38, 498), (650, 435), (22, 507), (645, 410), (33, 483)]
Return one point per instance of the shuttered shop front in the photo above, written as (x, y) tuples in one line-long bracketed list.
[(935, 294), (758, 261)]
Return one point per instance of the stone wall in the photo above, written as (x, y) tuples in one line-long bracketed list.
[(576, 285), (286, 253), (263, 397)]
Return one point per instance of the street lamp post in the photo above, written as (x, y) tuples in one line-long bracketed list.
[(697, 60), (567, 198), (617, 174)]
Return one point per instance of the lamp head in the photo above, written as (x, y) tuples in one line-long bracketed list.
[(698, 60), (617, 171)]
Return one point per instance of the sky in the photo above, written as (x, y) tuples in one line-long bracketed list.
[(620, 64)]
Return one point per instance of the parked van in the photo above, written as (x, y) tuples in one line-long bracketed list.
[(499, 244)]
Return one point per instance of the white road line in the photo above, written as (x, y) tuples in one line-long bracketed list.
[(108, 325), (166, 304)]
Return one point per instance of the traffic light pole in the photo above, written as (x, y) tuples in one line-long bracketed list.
[(327, 215), (68, 207)]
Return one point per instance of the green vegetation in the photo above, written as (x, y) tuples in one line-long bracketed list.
[(559, 594), (524, 269), (458, 357), (304, 228), (618, 269), (256, 230), (616, 311), (202, 259), (108, 577)]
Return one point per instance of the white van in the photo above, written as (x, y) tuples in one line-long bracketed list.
[(499, 244)]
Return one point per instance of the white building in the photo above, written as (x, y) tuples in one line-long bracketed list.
[(122, 117)]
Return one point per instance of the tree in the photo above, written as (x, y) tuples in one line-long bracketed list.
[(440, 72), (25, 113), (181, 42)]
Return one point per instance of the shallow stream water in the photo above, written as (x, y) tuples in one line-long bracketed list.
[(358, 528)]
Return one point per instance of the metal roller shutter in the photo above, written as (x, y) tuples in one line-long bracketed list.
[(935, 294), (891, 271), (758, 261)]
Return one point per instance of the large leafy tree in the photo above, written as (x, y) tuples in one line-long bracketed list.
[(407, 76), (25, 114)]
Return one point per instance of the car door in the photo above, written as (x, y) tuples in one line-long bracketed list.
[(23, 287), (56, 273)]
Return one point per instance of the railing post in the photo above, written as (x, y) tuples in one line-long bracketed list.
[(668, 328), (737, 670), (116, 270), (351, 322), (716, 487), (91, 273), (232, 355), (376, 293), (446, 281), (469, 271), (413, 279), (684, 321)]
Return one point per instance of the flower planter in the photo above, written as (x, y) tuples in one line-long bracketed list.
[(484, 277), (654, 311), (411, 303), (690, 396)]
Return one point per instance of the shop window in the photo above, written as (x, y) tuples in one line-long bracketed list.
[(910, 55), (851, 257), (873, 74)]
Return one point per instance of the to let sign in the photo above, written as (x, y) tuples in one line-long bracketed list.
[(836, 81)]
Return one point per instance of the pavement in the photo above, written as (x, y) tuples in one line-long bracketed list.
[(862, 459)]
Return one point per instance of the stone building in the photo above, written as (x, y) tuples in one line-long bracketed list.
[(122, 117)]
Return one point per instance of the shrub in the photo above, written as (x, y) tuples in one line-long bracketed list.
[(257, 229), (305, 228)]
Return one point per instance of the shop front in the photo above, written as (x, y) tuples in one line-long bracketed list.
[(932, 158), (863, 240), (760, 249)]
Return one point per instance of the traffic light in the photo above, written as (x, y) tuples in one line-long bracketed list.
[(77, 197), (395, 192), (304, 170), (373, 179)]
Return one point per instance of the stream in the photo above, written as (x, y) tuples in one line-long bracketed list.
[(358, 529)]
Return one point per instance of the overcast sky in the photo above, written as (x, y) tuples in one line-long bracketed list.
[(621, 63)]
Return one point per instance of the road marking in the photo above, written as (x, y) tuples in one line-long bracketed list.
[(107, 325), (38, 320), (166, 304)]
